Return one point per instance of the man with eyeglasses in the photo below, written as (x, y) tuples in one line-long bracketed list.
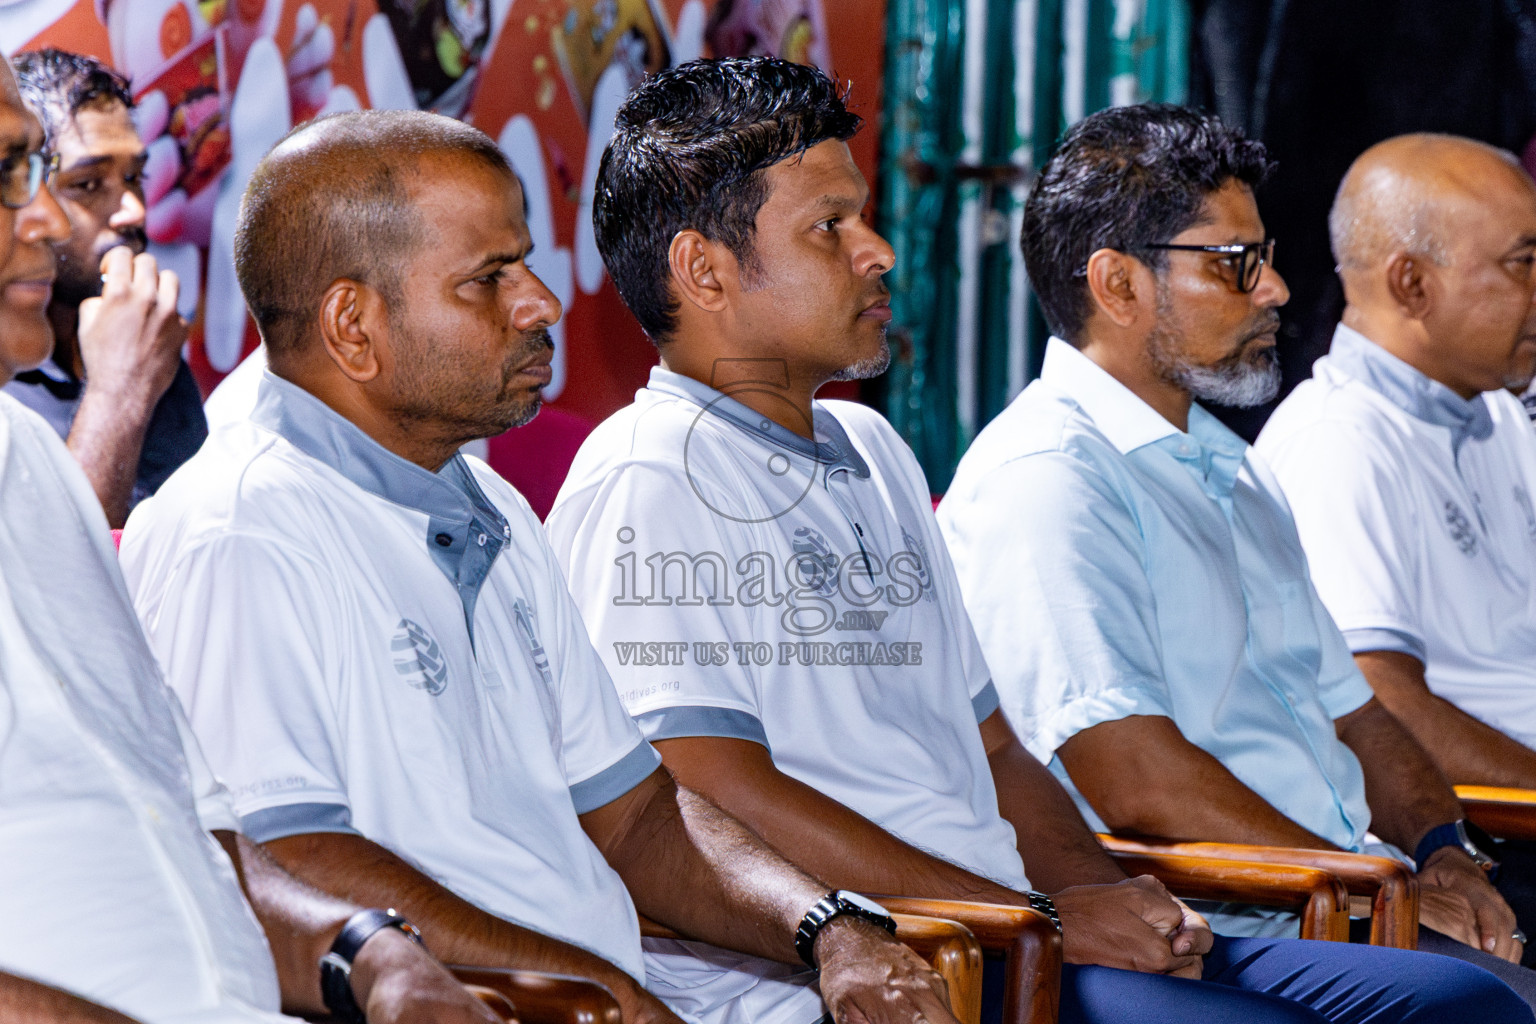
[(1133, 573), (118, 390), (1411, 470)]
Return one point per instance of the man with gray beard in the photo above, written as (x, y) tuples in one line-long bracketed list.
[(1134, 574)]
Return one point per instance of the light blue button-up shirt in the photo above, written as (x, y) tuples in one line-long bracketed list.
[(1115, 566)]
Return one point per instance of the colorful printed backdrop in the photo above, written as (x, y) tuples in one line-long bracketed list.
[(218, 81)]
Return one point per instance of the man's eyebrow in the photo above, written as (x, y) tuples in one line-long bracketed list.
[(833, 201), (506, 257), (1525, 242), (86, 162)]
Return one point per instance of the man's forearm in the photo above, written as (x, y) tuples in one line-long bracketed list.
[(1058, 849), (1407, 793), (106, 439), (1468, 751), (454, 930), (829, 840), (1141, 775), (22, 999), (697, 870)]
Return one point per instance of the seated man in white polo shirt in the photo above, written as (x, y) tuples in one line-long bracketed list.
[(122, 864), (1411, 470), (375, 643), (767, 584), (1131, 569)]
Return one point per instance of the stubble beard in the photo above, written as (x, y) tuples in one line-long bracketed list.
[(428, 395), (1241, 380), (873, 366), (76, 282)]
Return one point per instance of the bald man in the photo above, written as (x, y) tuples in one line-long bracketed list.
[(1411, 470), (375, 643)]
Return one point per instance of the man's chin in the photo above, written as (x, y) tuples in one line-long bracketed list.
[(873, 366)]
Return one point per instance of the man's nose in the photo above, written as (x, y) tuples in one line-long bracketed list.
[(1271, 291), (129, 212)]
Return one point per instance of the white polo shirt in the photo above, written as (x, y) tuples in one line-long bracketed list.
[(1415, 507), (1116, 566), (117, 892), (743, 581), (359, 654)]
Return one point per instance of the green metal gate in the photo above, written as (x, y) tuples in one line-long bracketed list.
[(977, 91)]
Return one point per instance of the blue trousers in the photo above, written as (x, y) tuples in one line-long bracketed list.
[(1285, 981)]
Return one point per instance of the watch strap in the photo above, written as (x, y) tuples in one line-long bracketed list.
[(1040, 902), (336, 965), (823, 912), (1452, 833)]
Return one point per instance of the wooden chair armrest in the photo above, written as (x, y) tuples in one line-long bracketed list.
[(1026, 938), (498, 1003), (1505, 813), (542, 998), (1390, 884), (952, 951), (1319, 896)]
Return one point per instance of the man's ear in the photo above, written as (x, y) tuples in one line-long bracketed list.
[(700, 270), (353, 321), (1409, 285), (1112, 281)]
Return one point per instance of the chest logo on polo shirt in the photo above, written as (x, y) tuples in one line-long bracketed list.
[(418, 658), (1460, 528), (814, 562)]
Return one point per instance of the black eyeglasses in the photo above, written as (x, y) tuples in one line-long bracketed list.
[(1248, 259), (21, 175)]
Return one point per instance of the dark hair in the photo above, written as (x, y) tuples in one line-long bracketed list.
[(687, 151), (58, 85), (1124, 177), (332, 200)]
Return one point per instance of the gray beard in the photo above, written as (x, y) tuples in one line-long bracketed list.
[(864, 369), (1235, 381)]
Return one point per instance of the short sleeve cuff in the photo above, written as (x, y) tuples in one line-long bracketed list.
[(985, 702), (689, 721), (1362, 640), (1062, 723), (617, 779), (296, 820)]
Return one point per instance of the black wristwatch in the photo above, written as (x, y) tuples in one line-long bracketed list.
[(1459, 833), (1041, 903), (336, 966), (834, 905)]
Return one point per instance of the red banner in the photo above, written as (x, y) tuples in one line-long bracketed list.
[(218, 81)]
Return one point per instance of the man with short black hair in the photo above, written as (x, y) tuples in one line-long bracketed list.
[(767, 584), (1134, 574), (418, 718), (117, 389)]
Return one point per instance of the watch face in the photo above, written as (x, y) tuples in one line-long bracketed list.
[(862, 902)]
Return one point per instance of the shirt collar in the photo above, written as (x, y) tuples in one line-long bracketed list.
[(1425, 399), (455, 506), (830, 447), (1211, 452)]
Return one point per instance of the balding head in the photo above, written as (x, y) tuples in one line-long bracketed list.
[(333, 200), (1435, 238), (1402, 196)]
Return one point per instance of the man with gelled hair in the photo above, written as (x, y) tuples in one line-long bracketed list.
[(421, 720), (767, 585)]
